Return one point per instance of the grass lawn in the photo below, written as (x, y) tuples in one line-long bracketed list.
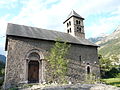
[(112, 81)]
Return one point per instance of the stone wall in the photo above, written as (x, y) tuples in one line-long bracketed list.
[(18, 49)]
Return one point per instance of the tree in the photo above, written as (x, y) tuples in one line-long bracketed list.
[(105, 63), (108, 66), (115, 60), (57, 63), (2, 66)]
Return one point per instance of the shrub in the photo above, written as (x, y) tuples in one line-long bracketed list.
[(118, 75)]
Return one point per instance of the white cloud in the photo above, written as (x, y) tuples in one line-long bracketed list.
[(3, 25), (37, 13), (50, 14), (106, 24), (8, 4), (96, 29)]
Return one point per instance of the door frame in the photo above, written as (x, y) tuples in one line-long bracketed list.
[(41, 65)]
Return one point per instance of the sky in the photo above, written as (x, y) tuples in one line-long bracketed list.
[(101, 16)]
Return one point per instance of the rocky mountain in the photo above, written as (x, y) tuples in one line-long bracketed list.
[(99, 38), (110, 45), (2, 58)]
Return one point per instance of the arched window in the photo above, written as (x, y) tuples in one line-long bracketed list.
[(88, 69), (79, 22), (76, 21), (80, 58), (69, 23), (70, 30), (79, 29)]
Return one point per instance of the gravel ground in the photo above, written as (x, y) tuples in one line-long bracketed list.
[(74, 87)]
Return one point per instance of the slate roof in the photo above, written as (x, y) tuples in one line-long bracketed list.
[(73, 14), (38, 33)]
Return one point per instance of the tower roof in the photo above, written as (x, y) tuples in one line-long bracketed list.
[(73, 14)]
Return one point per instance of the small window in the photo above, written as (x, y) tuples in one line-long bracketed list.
[(69, 23), (76, 21), (80, 29), (80, 59), (70, 30), (88, 69), (77, 27), (79, 22)]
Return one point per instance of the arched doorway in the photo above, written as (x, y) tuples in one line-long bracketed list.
[(34, 61), (33, 72), (34, 68)]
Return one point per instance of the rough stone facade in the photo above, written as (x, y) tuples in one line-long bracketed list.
[(20, 48)]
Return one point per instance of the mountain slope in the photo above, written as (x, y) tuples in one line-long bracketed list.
[(95, 40), (99, 38), (110, 45), (2, 58)]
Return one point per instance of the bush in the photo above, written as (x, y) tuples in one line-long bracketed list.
[(112, 73), (91, 79), (118, 75)]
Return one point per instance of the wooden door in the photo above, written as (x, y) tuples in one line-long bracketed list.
[(33, 72)]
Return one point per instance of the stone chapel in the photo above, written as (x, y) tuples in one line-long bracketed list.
[(27, 47)]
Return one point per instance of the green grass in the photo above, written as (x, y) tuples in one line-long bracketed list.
[(112, 81)]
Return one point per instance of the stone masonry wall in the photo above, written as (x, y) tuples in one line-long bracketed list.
[(19, 47)]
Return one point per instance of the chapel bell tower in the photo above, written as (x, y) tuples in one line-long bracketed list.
[(74, 25)]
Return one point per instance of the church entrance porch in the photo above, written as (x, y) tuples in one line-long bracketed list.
[(33, 72)]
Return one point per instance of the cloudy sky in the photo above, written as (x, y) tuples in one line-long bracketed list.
[(101, 16)]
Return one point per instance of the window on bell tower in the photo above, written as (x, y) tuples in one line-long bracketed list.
[(79, 22), (76, 21), (70, 30), (80, 29), (69, 23)]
